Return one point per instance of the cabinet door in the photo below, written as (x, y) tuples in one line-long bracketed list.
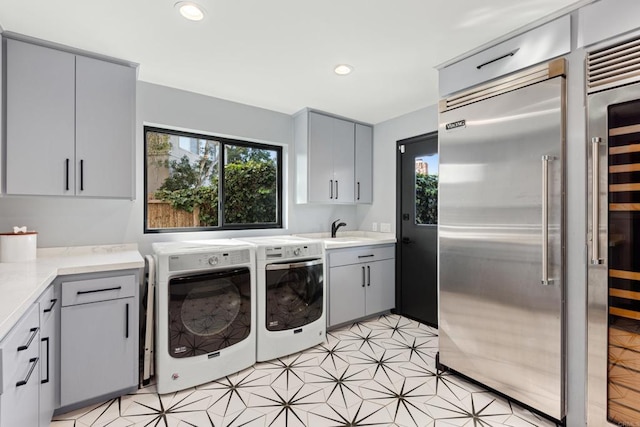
[(98, 349), (39, 120), (49, 308), (364, 164), (20, 380), (320, 158), (346, 293), (343, 160), (381, 286), (105, 120)]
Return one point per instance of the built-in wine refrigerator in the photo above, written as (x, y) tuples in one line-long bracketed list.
[(613, 108)]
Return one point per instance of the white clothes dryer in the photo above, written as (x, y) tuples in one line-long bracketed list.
[(205, 311), (291, 296)]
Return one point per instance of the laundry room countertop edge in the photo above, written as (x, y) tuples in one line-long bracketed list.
[(22, 283)]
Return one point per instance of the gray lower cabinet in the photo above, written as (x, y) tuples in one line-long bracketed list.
[(361, 282), (49, 309), (99, 337), (70, 123), (20, 382)]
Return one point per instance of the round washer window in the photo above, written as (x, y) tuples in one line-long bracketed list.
[(209, 310)]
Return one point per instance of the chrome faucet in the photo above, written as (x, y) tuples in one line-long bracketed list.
[(334, 227)]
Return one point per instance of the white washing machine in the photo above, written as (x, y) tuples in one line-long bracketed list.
[(291, 295), (205, 311)]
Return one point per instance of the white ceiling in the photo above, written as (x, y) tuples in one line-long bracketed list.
[(279, 54)]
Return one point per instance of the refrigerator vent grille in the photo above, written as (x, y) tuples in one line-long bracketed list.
[(613, 66), (507, 84)]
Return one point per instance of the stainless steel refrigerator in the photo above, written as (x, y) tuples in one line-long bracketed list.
[(613, 234), (501, 238)]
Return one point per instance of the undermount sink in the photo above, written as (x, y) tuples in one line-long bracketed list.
[(351, 239), (330, 242)]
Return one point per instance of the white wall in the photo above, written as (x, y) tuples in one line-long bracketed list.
[(68, 221), (385, 136)]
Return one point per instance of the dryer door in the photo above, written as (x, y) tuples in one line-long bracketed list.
[(208, 312), (295, 292)]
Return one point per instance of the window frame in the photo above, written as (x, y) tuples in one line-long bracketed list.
[(223, 141)]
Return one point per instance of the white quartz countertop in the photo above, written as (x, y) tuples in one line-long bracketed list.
[(21, 283), (350, 239)]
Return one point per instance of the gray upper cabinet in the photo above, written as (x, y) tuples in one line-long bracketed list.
[(39, 119), (327, 150), (605, 19), (522, 51), (70, 123), (364, 164), (105, 110)]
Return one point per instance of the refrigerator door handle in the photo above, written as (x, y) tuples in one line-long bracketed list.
[(545, 220), (595, 202)]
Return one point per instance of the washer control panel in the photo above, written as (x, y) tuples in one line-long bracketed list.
[(299, 250), (206, 260)]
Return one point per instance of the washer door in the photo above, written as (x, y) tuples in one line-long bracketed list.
[(295, 293), (208, 312)]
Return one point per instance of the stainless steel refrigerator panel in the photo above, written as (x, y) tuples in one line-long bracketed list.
[(499, 324), (598, 270)]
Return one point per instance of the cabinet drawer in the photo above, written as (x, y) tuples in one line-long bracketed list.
[(338, 257), (515, 54), (19, 353), (103, 289)]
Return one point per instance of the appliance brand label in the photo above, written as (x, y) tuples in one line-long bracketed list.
[(455, 125), (179, 350)]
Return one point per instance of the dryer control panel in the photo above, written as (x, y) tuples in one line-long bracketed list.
[(207, 260), (292, 251)]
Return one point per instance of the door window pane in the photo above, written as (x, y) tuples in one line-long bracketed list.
[(426, 180)]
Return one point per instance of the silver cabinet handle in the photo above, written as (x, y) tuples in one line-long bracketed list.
[(595, 201), (545, 220), (336, 189), (363, 276), (358, 190)]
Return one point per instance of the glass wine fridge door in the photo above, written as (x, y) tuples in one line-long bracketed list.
[(623, 367)]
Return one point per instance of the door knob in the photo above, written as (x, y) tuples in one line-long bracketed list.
[(406, 240)]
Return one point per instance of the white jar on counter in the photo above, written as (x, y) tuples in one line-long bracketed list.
[(18, 247)]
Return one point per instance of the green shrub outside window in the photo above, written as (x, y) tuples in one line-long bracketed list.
[(198, 182)]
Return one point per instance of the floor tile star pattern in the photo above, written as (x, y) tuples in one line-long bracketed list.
[(379, 372)]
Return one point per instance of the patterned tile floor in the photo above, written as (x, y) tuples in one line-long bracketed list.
[(380, 372)]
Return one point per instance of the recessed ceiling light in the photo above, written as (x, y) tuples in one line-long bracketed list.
[(343, 69), (190, 10)]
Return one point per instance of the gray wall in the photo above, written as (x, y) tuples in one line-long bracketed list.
[(68, 221), (385, 136)]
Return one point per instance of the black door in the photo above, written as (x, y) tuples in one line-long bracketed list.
[(418, 228)]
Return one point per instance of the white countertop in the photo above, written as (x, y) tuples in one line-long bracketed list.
[(351, 239), (21, 283)]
